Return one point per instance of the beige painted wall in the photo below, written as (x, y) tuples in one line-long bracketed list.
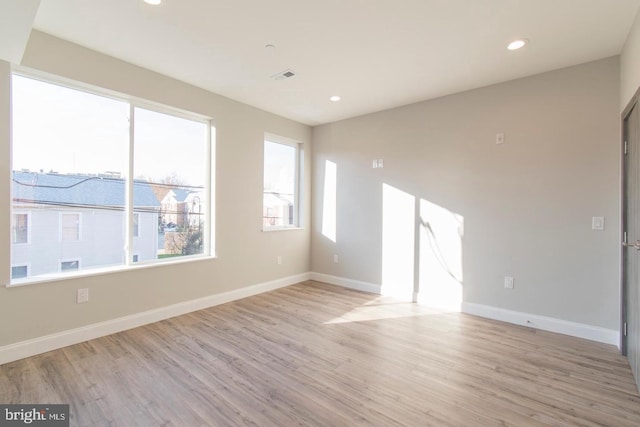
[(630, 65), (526, 204), (246, 255)]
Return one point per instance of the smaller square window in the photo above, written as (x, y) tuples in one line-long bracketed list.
[(70, 265), (19, 272)]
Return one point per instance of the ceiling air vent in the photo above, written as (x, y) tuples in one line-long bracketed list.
[(283, 75)]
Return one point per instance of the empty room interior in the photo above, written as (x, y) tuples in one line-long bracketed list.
[(320, 213)]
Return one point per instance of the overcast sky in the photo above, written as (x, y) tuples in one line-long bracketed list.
[(70, 131)]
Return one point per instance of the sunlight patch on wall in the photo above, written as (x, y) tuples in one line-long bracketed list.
[(398, 243), (329, 204), (440, 265)]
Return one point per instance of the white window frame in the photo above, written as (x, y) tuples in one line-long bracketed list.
[(208, 203), (28, 214), (297, 177), (209, 190), (61, 228)]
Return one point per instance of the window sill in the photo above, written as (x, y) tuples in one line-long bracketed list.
[(270, 229), (57, 277)]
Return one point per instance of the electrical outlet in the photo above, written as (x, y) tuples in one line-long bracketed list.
[(500, 138), (335, 258), (82, 295), (508, 282), (279, 260)]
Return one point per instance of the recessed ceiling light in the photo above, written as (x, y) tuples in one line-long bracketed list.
[(335, 98), (517, 44), (153, 2)]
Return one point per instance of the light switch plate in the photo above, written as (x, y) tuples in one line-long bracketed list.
[(597, 223), (508, 282), (82, 295)]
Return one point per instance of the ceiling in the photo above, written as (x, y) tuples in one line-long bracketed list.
[(375, 54)]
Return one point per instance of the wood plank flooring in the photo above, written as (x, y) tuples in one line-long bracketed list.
[(318, 355)]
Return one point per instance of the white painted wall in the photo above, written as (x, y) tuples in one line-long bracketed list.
[(630, 65), (246, 255), (520, 209)]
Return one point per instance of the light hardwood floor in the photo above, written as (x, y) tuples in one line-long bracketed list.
[(319, 355)]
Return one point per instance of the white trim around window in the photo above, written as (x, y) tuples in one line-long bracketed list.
[(209, 187), (296, 213)]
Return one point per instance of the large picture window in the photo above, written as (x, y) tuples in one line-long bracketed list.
[(96, 170), (281, 183)]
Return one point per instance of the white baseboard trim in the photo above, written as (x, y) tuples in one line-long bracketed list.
[(579, 330), (23, 349), (346, 283)]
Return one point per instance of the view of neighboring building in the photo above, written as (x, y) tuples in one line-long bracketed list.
[(71, 222), (182, 220), (277, 209), (174, 207)]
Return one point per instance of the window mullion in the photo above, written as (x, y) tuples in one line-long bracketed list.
[(297, 184), (209, 192), (128, 204)]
